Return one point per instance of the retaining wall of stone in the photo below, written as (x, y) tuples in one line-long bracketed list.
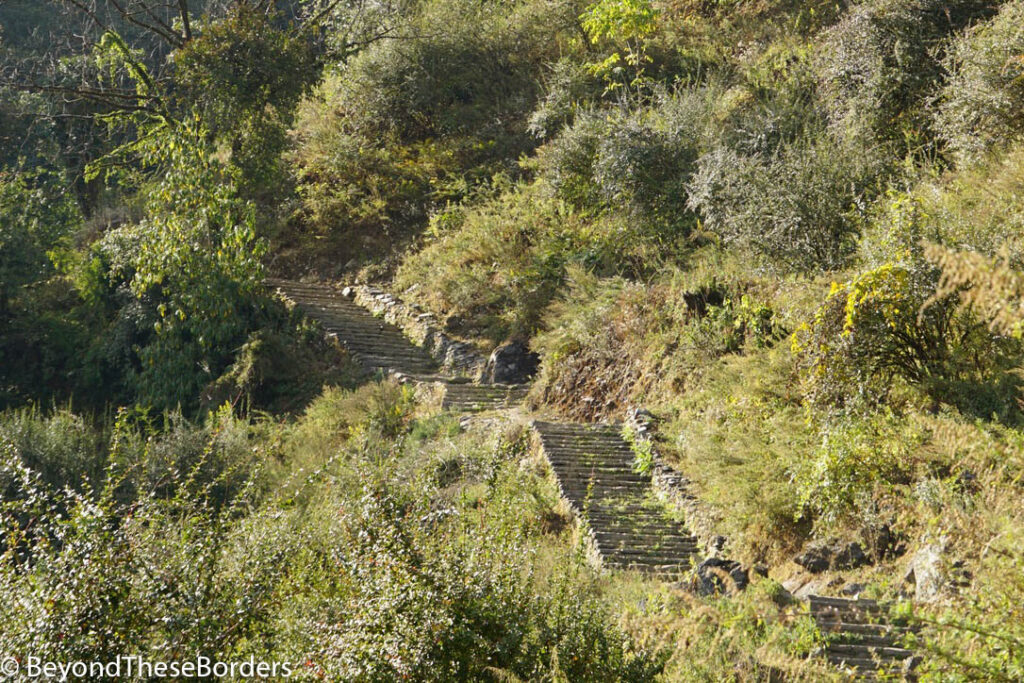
[(673, 487), (422, 327)]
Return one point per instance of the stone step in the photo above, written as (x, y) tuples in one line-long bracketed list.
[(676, 538), (499, 398), (584, 442), (581, 489), (859, 637), (674, 554), (383, 352), (579, 470), (820, 603), (869, 651), (582, 476), (585, 464), (585, 455), (864, 665), (628, 524), (599, 492), (887, 640), (583, 484), (374, 332), (648, 567), (399, 363), (855, 630), (576, 427), (588, 454), (651, 561), (495, 403), (597, 495), (397, 348), (458, 389), (637, 530), (604, 435), (614, 537)]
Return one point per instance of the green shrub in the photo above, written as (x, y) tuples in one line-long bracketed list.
[(609, 343), (982, 105), (37, 215), (775, 103), (60, 448), (467, 71), (638, 163), (797, 210), (886, 324), (858, 459), (645, 170), (193, 265), (350, 187), (755, 635), (568, 89), (493, 267), (740, 434), (879, 64), (246, 74), (358, 566), (567, 162), (455, 605)]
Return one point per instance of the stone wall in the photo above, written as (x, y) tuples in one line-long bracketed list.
[(673, 487), (457, 357)]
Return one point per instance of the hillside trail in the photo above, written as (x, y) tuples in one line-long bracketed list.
[(628, 524)]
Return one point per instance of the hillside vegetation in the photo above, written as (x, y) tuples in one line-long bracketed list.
[(793, 232)]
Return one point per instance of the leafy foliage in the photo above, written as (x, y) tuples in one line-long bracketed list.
[(798, 210), (36, 216), (358, 568), (879, 64), (855, 458), (622, 22), (982, 102), (194, 262), (886, 323), (245, 75)]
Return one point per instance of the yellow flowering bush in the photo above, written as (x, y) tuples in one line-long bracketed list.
[(879, 325)]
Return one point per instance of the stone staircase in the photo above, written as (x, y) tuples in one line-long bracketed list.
[(861, 639), (592, 463), (465, 397), (374, 343), (378, 345), (594, 468)]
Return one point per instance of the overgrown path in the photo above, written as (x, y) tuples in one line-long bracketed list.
[(594, 468), (631, 530), (861, 637), (593, 464)]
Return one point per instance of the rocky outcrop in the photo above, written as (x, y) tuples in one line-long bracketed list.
[(511, 363), (832, 554), (715, 576)]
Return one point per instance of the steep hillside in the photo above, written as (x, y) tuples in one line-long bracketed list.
[(751, 271)]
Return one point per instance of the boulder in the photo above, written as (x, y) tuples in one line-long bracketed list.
[(926, 571), (852, 589), (832, 554), (511, 363), (716, 576), (815, 558), (849, 556)]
